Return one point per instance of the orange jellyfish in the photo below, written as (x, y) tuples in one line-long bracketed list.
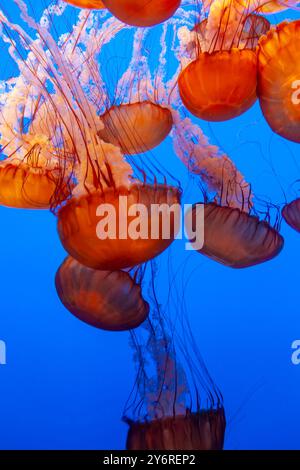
[(291, 214), (34, 173), (192, 431), (235, 238), (109, 300), (90, 4), (137, 115), (30, 185), (142, 12), (279, 79), (108, 243), (136, 127), (175, 404), (220, 83)]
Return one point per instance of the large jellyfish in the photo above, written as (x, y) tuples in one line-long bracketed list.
[(142, 12), (109, 300), (218, 81), (175, 404), (278, 79), (78, 220)]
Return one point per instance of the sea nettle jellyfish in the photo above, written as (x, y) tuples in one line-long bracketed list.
[(220, 81), (136, 113), (175, 404), (278, 80), (235, 238), (232, 236), (109, 300), (117, 228), (90, 4), (142, 12), (30, 183), (291, 214), (136, 127), (33, 173)]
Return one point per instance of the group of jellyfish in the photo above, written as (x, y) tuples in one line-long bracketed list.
[(71, 141)]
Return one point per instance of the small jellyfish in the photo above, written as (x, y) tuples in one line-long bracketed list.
[(90, 4), (142, 12), (109, 300), (175, 404), (137, 115), (28, 185), (136, 127), (291, 214), (220, 82), (235, 238), (111, 246), (278, 79)]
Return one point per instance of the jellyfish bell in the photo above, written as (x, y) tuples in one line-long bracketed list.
[(142, 12), (203, 430), (24, 185), (109, 300), (95, 246), (255, 26), (235, 238), (219, 86), (279, 80), (220, 83), (90, 4), (136, 127), (291, 214), (275, 6)]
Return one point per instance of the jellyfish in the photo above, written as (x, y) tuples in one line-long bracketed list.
[(219, 81), (111, 245), (109, 300), (233, 235), (29, 184), (32, 172), (142, 12), (175, 404), (275, 6), (278, 80), (90, 4), (235, 238), (136, 114), (136, 127), (191, 431), (291, 214)]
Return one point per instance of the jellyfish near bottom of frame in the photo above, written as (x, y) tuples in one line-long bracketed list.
[(175, 404)]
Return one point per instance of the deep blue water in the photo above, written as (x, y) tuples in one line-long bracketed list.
[(65, 383)]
